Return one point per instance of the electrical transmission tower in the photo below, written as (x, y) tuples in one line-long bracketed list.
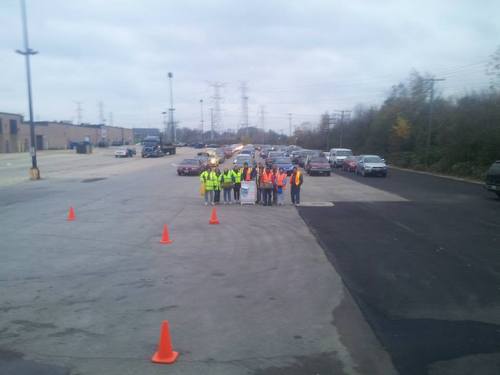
[(110, 116), (262, 117), (100, 105), (78, 113), (290, 124), (217, 99), (244, 107)]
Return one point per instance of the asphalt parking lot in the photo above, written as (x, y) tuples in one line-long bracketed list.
[(399, 276)]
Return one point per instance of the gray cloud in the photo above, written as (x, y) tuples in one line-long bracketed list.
[(304, 57)]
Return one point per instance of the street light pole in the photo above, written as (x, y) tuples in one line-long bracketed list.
[(34, 171), (171, 110)]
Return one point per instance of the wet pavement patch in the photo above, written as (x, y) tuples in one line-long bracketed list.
[(403, 269), (12, 362), (93, 179)]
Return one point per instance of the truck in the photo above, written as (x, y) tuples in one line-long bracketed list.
[(153, 146)]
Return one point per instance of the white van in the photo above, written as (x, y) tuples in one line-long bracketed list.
[(337, 156)]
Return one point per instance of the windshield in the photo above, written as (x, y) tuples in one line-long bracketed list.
[(495, 168), (343, 153), (190, 161), (282, 161), (373, 159), (319, 160)]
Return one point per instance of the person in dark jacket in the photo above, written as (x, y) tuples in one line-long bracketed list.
[(296, 181)]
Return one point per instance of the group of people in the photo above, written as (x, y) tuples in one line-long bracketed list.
[(270, 184)]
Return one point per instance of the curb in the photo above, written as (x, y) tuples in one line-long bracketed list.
[(439, 175)]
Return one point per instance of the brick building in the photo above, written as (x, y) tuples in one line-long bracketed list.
[(53, 135)]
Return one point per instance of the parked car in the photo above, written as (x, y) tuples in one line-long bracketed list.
[(203, 160), (337, 156), (220, 155), (350, 164), (317, 165), (285, 163), (273, 155), (304, 154), (371, 165), (212, 159), (125, 152), (189, 167), (241, 159), (493, 178)]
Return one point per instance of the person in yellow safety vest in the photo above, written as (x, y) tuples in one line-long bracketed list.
[(217, 186), (226, 181), (296, 181), (237, 184), (209, 179), (280, 186)]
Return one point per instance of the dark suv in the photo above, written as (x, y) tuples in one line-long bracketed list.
[(493, 178)]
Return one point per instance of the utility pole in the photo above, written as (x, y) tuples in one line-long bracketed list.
[(201, 118), (171, 123), (341, 136), (290, 124), (78, 113), (34, 171), (244, 107), (164, 119), (330, 123), (110, 118), (429, 126), (211, 124)]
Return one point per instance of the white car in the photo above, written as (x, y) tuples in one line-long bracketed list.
[(371, 165), (124, 152), (337, 156)]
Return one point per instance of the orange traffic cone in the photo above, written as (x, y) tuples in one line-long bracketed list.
[(165, 353), (71, 214), (165, 237), (213, 217)]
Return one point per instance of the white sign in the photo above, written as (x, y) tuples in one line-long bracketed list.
[(248, 192)]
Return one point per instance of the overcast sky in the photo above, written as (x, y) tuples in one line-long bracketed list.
[(303, 57)]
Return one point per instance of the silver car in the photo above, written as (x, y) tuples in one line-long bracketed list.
[(372, 165)]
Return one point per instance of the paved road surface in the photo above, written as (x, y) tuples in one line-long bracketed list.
[(424, 270), (254, 295)]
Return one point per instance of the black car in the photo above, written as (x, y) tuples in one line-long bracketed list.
[(492, 182)]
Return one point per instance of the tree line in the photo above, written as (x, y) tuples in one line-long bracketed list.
[(463, 138)]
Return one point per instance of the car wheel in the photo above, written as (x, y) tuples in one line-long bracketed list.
[(363, 173), (384, 175), (498, 194), (328, 174)]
